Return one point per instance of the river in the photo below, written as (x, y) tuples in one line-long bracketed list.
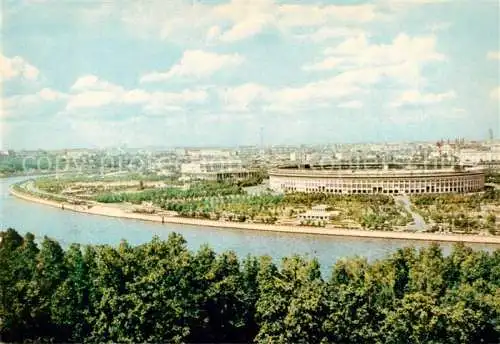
[(69, 227)]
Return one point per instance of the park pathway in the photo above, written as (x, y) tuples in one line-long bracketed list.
[(418, 221)]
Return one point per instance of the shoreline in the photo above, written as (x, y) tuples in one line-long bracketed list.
[(104, 210)]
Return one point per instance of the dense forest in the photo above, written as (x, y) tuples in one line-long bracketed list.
[(163, 292)]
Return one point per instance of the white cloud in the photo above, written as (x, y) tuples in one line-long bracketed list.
[(242, 19), (405, 5), (246, 28), (89, 91), (315, 91), (495, 93), (318, 93), (136, 96), (414, 97), (292, 15), (411, 2), (251, 17), (26, 104), (17, 67), (328, 32), (326, 64), (493, 55), (240, 98), (172, 19), (353, 104), (92, 82), (360, 65), (91, 99), (45, 94), (197, 64), (358, 51), (248, 17), (290, 99), (237, 19), (195, 22), (48, 94), (213, 33), (92, 92), (161, 102), (363, 62)]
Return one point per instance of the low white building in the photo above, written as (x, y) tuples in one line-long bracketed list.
[(317, 213), (209, 153), (201, 167), (215, 170)]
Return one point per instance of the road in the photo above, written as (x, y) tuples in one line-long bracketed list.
[(418, 221)]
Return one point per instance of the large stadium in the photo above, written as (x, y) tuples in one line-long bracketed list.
[(377, 179)]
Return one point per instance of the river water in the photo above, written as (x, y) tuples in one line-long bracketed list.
[(68, 227)]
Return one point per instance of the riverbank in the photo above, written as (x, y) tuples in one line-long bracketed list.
[(103, 210)]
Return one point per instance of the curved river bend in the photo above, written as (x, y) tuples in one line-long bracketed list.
[(68, 227)]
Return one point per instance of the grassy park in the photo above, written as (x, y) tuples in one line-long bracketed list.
[(470, 213), (227, 201), (230, 201)]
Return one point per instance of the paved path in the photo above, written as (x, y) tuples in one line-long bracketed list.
[(418, 221)]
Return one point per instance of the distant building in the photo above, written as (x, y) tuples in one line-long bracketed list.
[(209, 153), (215, 170), (475, 156)]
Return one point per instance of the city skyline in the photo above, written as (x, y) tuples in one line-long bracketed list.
[(213, 73)]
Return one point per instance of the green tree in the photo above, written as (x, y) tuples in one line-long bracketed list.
[(17, 262), (162, 292), (49, 275), (291, 307), (415, 319)]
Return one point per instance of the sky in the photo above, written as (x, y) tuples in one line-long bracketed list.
[(77, 73)]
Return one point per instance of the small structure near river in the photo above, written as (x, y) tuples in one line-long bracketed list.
[(317, 213)]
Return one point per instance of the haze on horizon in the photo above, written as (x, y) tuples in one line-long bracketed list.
[(213, 73)]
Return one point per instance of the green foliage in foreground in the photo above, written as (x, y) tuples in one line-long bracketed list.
[(162, 292)]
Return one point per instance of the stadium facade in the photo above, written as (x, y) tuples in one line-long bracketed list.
[(384, 180)]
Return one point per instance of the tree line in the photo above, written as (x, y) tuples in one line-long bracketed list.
[(162, 292), (160, 196)]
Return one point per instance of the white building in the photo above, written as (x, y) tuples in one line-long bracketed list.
[(475, 156), (215, 170), (209, 153), (211, 166), (317, 213)]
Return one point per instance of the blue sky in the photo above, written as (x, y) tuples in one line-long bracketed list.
[(204, 72)]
